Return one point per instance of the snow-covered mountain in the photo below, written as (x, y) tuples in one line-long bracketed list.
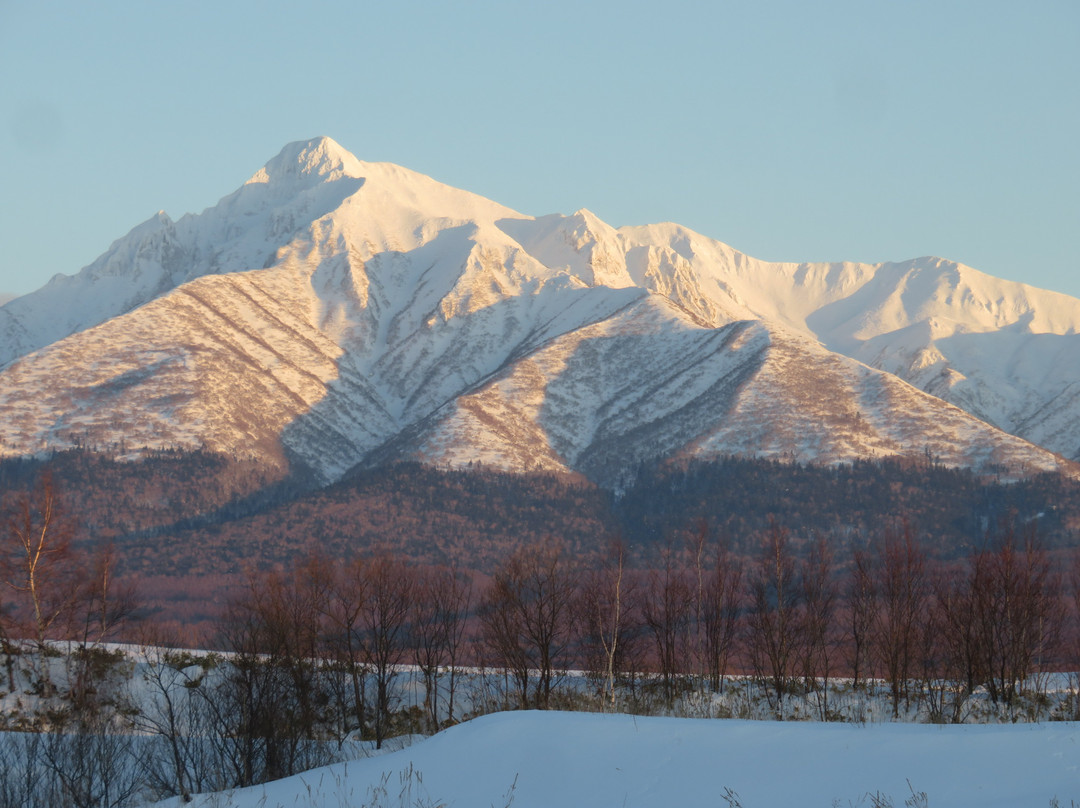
[(334, 312)]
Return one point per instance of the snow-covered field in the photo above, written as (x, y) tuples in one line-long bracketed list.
[(561, 760)]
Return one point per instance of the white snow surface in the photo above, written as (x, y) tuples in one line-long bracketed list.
[(583, 760), (337, 312)]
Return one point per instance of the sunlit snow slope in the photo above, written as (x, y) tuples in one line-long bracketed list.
[(333, 312)]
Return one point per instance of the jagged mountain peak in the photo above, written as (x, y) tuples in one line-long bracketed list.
[(317, 160), (115, 257), (338, 312)]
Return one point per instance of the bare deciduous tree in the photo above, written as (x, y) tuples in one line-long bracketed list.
[(1019, 613), (346, 594), (667, 610), (527, 615), (956, 604), (819, 641), (37, 562), (607, 595), (862, 614), (903, 601), (439, 611), (271, 697), (774, 623), (169, 711), (723, 592), (385, 615)]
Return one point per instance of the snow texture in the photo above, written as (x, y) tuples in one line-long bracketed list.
[(333, 312), (589, 760)]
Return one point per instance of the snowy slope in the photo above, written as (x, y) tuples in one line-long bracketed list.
[(333, 312), (576, 759), (402, 297), (652, 382), (1006, 352)]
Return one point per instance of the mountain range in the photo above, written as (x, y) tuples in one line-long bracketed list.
[(332, 314)]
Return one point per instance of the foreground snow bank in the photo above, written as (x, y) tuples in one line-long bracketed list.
[(589, 760)]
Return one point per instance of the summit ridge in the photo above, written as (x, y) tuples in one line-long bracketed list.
[(332, 313)]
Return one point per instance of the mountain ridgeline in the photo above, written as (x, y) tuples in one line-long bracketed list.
[(333, 315), (353, 357)]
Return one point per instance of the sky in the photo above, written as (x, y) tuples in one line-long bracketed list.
[(863, 130)]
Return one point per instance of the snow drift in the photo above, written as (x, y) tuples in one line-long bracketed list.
[(587, 760)]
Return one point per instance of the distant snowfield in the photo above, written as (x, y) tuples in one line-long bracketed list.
[(548, 759)]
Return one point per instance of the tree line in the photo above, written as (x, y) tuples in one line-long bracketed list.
[(182, 513), (313, 653)]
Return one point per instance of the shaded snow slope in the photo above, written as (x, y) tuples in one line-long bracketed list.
[(334, 312), (652, 382), (589, 760)]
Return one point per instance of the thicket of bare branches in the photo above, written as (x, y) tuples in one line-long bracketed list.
[(527, 618), (315, 653)]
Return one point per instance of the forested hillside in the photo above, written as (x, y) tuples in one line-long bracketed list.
[(197, 518)]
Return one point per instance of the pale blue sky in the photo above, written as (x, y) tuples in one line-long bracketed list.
[(801, 131)]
